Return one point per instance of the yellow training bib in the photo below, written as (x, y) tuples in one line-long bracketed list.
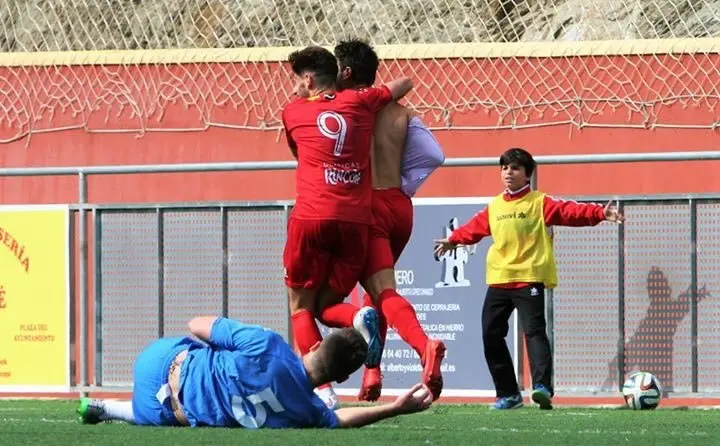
[(522, 248)]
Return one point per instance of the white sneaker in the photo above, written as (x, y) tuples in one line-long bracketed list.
[(367, 322), (329, 397)]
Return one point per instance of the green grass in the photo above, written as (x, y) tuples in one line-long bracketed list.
[(54, 422)]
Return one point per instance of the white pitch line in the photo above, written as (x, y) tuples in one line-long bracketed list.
[(549, 431), (557, 413), (35, 420), (20, 409)]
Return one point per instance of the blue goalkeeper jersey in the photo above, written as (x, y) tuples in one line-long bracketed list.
[(249, 376)]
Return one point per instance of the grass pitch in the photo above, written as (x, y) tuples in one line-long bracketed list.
[(54, 423)]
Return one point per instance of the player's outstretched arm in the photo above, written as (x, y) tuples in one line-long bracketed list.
[(417, 399), (399, 87), (227, 334), (468, 234), (570, 213)]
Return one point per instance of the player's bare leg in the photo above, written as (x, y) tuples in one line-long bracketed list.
[(402, 317)]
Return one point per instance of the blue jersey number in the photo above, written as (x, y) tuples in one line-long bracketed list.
[(247, 420)]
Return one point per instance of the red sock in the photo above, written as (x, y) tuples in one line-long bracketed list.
[(338, 315), (305, 331), (402, 317)]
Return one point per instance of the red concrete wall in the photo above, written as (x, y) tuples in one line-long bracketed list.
[(219, 145)]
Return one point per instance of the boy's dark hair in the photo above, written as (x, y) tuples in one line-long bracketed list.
[(361, 58), (339, 355), (519, 157), (316, 60)]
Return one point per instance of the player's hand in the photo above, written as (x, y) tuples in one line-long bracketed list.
[(417, 399), (442, 246), (612, 214)]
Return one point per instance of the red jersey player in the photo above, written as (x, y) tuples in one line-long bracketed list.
[(403, 156), (330, 133)]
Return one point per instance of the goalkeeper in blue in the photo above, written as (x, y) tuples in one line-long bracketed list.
[(232, 374)]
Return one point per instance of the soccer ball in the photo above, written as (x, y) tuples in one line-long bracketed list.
[(642, 391)]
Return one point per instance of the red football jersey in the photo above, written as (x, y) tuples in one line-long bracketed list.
[(333, 133)]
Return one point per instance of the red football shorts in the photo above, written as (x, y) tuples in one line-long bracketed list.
[(325, 250), (393, 214)]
